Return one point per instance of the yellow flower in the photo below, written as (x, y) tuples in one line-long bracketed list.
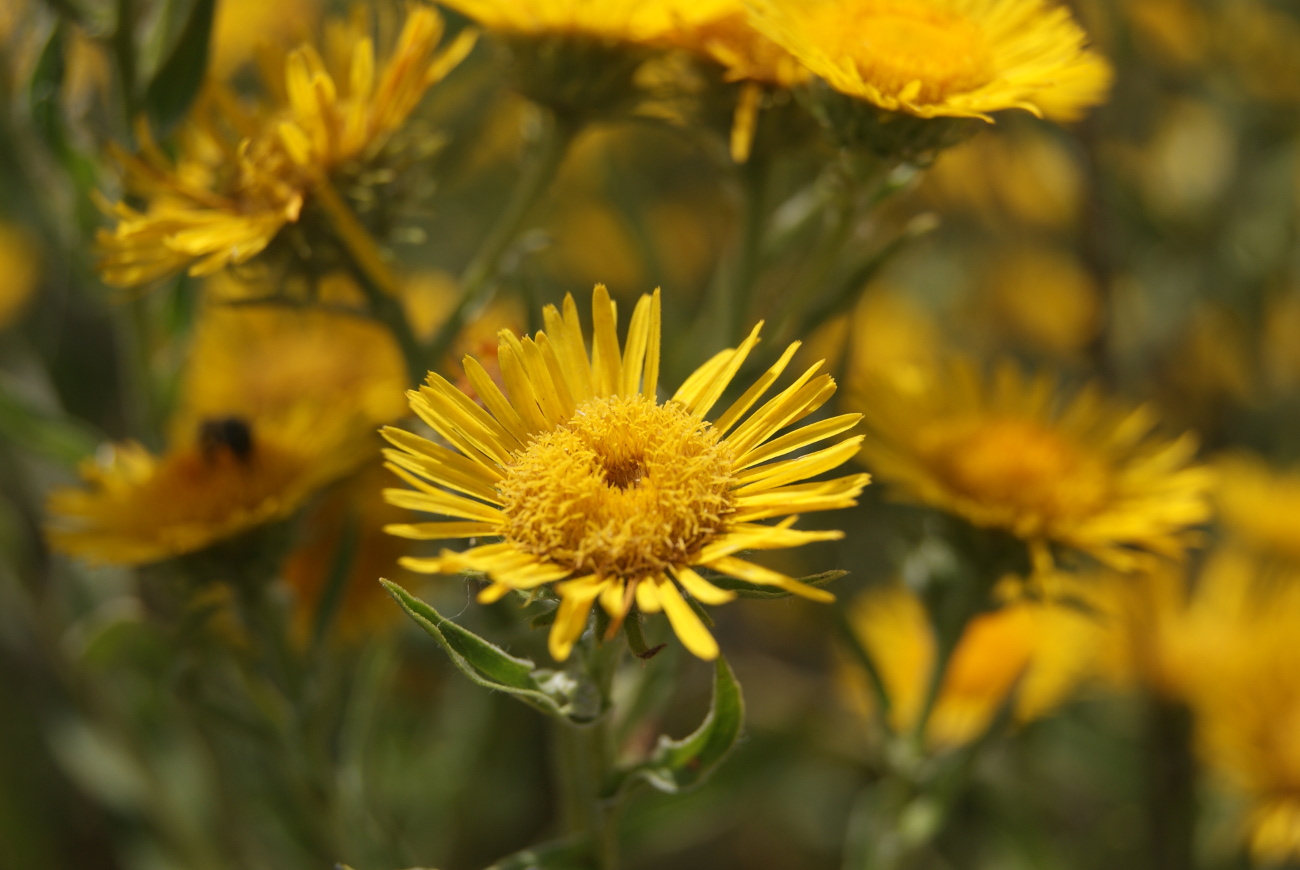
[(259, 362), (597, 488), (1260, 507), (1040, 297), (275, 404), (1013, 453), (943, 58), (19, 272), (226, 478), (1040, 651), (246, 172), (1235, 661)]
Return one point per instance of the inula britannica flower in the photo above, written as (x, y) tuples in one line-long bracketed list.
[(943, 58), (1011, 452), (245, 172), (601, 491)]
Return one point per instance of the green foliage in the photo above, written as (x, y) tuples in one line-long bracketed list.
[(680, 765), (177, 81)]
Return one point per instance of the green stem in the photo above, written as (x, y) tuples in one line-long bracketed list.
[(733, 291), (476, 280), (124, 55), (588, 814), (374, 276), (1171, 786)]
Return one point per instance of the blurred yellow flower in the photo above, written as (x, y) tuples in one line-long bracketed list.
[(1040, 297), (1041, 652), (1022, 176), (1259, 506), (597, 488), (1234, 659), (228, 476), (243, 27), (19, 272), (950, 58), (257, 362), (1014, 453), (890, 339), (246, 172)]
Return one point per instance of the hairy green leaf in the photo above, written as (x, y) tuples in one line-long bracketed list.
[(679, 765), (745, 589), (177, 81)]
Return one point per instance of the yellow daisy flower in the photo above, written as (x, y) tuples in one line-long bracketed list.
[(247, 172), (943, 58), (1041, 651), (1013, 453), (1230, 653), (229, 476), (596, 487)]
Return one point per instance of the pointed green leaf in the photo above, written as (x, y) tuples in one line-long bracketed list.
[(482, 661), (177, 81), (678, 765), (745, 589)]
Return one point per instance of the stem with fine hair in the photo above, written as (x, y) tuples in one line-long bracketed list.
[(557, 131), (374, 276)]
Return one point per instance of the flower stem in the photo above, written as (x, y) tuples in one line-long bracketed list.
[(374, 276), (476, 280)]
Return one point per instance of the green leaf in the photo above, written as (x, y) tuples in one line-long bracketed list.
[(44, 89), (556, 693), (58, 438), (744, 589), (177, 81), (559, 855), (679, 765)]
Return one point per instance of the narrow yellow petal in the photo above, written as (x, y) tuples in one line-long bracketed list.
[(638, 339), (767, 577), (650, 383), (738, 408), (438, 531), (686, 623), (647, 598), (700, 589), (699, 379), (801, 437), (781, 473), (710, 394), (522, 395), (605, 363), (496, 402)]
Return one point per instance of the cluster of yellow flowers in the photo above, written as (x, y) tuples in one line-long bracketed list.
[(573, 476)]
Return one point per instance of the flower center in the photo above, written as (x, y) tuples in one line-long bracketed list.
[(1022, 466), (923, 53), (625, 487)]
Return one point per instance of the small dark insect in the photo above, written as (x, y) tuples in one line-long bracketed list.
[(651, 653), (226, 433)]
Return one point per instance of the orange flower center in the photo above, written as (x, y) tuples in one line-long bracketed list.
[(1021, 466)]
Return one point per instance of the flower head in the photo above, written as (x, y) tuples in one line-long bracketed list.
[(1012, 453), (246, 172), (228, 477), (943, 58), (600, 491)]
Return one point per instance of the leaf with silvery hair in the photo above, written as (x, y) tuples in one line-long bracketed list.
[(745, 589), (679, 765), (557, 693)]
